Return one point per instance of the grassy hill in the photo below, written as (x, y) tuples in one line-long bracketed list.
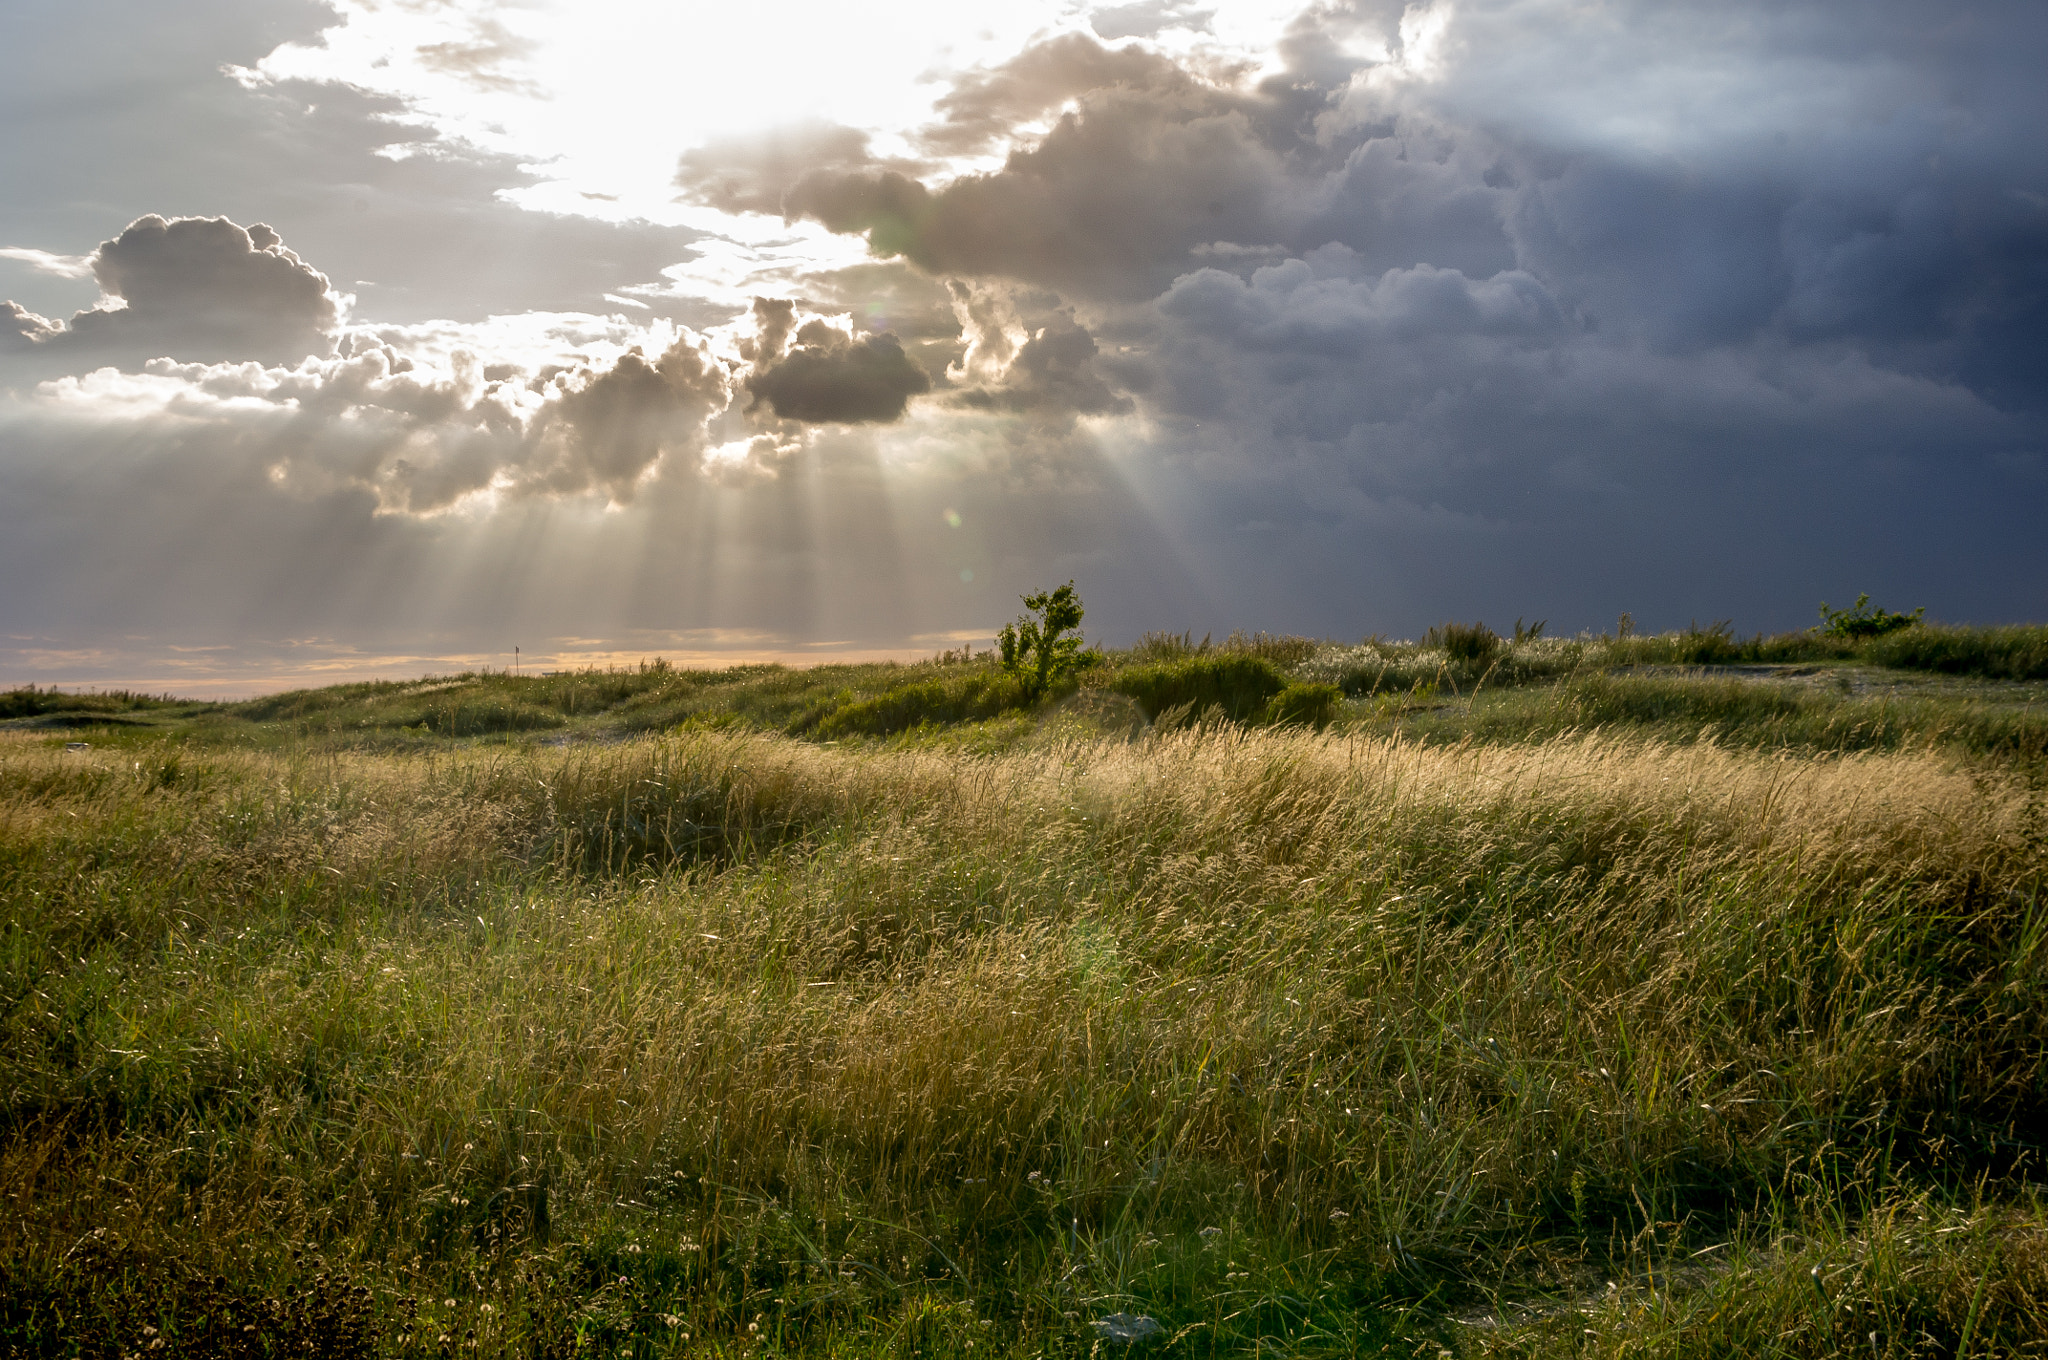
[(1977, 688), (1661, 996)]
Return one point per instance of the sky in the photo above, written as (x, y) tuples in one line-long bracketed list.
[(383, 337)]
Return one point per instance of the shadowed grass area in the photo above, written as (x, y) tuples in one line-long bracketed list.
[(724, 1042)]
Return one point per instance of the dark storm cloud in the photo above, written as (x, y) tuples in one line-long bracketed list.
[(1320, 306), (624, 417), (1916, 222), (193, 288), (1153, 162), (1531, 287), (828, 377)]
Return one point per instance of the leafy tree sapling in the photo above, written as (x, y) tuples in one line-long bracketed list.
[(1040, 649)]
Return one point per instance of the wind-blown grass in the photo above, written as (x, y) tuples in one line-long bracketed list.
[(731, 1043)]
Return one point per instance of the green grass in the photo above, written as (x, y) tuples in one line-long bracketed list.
[(868, 1011)]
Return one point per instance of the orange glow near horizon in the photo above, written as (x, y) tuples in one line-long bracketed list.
[(195, 680)]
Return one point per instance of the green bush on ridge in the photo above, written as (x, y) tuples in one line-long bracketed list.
[(1860, 620)]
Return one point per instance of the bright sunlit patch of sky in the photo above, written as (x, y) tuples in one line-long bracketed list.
[(599, 98)]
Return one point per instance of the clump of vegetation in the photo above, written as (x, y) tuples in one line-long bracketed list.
[(1474, 645), (1237, 685), (2009, 653), (1309, 702), (1164, 646), (1281, 649), (30, 705), (1044, 649), (1862, 620)]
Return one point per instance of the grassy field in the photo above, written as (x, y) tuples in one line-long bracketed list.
[(1598, 996)]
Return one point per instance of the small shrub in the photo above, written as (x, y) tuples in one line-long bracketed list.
[(1472, 645), (1713, 645), (1860, 620)]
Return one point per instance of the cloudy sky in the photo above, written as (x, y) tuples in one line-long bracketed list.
[(374, 337)]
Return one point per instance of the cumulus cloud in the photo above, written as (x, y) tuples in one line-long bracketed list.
[(751, 173), (987, 107), (196, 288), (828, 376), (430, 417), (1046, 368), (417, 421), (1105, 206), (989, 326), (618, 421), (21, 330), (774, 321), (1147, 161)]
